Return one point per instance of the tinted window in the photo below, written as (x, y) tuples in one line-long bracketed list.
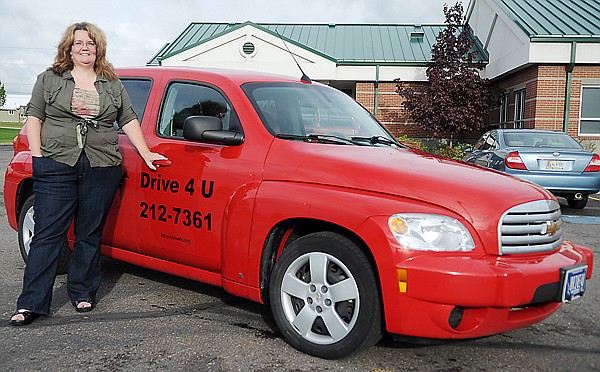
[(186, 99), (541, 139), (138, 91)]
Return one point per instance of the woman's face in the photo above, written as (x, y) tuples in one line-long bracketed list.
[(83, 50)]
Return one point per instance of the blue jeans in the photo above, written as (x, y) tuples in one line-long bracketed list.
[(62, 193)]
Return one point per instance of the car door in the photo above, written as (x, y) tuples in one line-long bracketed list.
[(178, 210), (119, 230)]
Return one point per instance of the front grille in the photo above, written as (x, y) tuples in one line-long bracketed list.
[(531, 227)]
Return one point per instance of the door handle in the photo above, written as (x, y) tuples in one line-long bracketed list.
[(162, 163)]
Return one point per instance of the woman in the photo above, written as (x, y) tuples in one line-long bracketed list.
[(76, 167)]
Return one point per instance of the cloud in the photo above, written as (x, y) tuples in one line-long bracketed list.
[(137, 29)]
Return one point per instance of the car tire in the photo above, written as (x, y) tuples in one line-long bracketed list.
[(26, 225), (578, 204), (325, 297)]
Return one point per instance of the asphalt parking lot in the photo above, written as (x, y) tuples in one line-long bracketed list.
[(152, 321)]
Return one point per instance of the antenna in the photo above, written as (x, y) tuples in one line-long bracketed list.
[(304, 77)]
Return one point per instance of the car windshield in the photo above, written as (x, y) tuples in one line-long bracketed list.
[(541, 139), (299, 111)]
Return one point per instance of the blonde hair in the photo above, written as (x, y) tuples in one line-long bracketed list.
[(63, 60)]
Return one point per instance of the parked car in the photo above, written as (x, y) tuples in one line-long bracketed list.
[(553, 160), (290, 193)]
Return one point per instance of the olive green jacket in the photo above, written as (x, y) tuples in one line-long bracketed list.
[(51, 103)]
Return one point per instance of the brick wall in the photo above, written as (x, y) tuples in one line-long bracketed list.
[(390, 111), (545, 96), (392, 114)]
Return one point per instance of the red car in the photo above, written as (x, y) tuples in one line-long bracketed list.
[(290, 193)]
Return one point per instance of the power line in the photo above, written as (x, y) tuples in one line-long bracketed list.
[(53, 50), (26, 64)]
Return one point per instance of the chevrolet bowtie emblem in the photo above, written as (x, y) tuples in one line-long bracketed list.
[(550, 228)]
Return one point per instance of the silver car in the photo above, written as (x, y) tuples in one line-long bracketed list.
[(553, 160)]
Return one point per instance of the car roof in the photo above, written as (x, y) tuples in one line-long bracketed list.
[(236, 76), (529, 131)]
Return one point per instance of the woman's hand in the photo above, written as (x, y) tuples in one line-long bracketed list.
[(134, 133), (150, 157)]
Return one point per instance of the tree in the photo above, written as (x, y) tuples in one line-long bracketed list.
[(2, 94), (456, 96)]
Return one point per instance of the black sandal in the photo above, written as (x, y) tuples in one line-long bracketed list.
[(28, 317), (84, 309)]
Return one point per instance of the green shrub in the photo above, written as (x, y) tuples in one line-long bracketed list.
[(588, 145), (456, 151), (412, 143)]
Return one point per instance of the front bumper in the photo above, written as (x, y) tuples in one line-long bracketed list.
[(492, 294)]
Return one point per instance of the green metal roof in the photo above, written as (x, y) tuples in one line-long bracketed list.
[(555, 18), (395, 44)]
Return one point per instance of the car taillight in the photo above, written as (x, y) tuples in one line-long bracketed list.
[(514, 161), (594, 165)]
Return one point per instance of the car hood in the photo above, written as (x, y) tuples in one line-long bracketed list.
[(474, 193)]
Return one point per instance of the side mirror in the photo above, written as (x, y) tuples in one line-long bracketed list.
[(209, 129)]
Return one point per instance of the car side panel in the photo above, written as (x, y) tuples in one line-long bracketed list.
[(17, 171)]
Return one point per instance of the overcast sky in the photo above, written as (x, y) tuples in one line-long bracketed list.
[(137, 29)]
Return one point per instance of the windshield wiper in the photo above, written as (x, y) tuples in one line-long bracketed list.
[(373, 140), (321, 138)]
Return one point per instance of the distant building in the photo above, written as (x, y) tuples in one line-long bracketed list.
[(12, 115), (14, 108), (544, 56)]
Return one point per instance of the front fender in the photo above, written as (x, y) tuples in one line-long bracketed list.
[(349, 209)]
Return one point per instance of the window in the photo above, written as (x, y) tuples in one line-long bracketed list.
[(488, 142), (491, 142), (541, 139), (589, 118), (138, 91), (482, 141), (296, 109), (503, 110), (185, 99), (519, 108)]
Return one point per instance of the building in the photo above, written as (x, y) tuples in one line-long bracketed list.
[(13, 110), (537, 52), (360, 59), (12, 115), (545, 57)]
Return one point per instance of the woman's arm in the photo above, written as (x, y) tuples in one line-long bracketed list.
[(134, 133), (34, 135)]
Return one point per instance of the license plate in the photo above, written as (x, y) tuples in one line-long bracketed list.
[(573, 282), (555, 165)]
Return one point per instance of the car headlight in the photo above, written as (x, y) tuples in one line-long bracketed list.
[(430, 232)]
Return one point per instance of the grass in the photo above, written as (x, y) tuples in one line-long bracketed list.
[(8, 134), (10, 124), (8, 131)]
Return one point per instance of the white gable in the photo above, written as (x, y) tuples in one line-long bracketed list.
[(269, 55), (510, 48), (507, 45)]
